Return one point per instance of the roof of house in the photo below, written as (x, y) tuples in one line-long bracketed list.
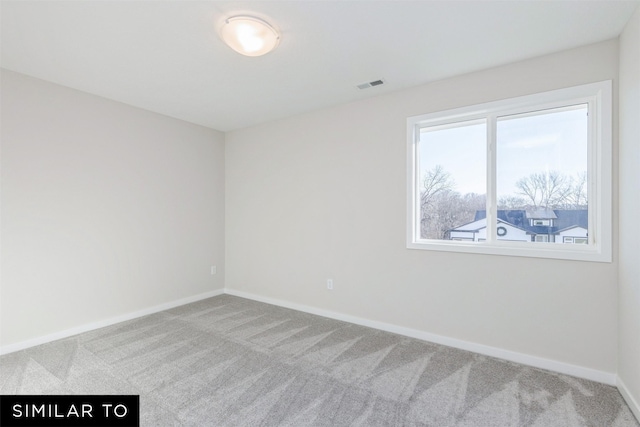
[(540, 213), (563, 219), (477, 225)]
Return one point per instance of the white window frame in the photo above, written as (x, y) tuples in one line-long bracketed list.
[(598, 96)]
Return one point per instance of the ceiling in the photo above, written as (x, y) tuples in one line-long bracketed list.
[(167, 57)]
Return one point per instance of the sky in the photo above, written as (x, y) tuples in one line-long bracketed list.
[(554, 140)]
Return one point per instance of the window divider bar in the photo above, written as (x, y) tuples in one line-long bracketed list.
[(491, 207), (414, 159), (416, 153), (593, 178)]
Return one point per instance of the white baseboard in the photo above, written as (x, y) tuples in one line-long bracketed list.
[(525, 359), (5, 349), (633, 403)]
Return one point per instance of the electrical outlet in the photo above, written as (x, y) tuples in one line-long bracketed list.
[(330, 284), (214, 270)]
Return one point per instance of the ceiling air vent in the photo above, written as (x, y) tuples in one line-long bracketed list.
[(367, 85)]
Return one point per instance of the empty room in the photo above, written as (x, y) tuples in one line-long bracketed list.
[(320, 213)]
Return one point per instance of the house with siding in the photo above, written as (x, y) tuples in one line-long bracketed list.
[(528, 225)]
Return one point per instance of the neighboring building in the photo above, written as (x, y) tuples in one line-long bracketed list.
[(536, 225)]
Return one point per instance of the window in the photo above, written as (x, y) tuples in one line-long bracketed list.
[(577, 240), (486, 178)]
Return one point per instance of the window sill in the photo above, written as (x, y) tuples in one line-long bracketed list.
[(592, 253)]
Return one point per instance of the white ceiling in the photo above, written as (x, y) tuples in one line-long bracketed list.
[(166, 56)]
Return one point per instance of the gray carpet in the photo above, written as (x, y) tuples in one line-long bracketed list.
[(228, 361)]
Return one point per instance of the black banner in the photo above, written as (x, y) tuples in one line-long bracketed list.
[(69, 411)]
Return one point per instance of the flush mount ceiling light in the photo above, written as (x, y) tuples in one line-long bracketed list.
[(249, 36)]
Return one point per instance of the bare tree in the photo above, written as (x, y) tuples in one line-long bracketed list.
[(511, 202), (443, 208), (435, 181), (577, 198), (547, 190), (470, 203), (435, 186)]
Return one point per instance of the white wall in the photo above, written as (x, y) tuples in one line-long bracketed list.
[(106, 209), (322, 195), (629, 277)]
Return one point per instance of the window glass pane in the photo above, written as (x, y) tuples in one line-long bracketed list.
[(452, 179), (541, 175)]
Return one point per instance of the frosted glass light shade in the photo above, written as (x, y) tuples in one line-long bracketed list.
[(249, 36)]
